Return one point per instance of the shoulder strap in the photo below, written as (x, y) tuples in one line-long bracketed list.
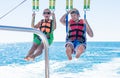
[(51, 23)]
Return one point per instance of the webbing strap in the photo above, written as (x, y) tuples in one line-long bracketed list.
[(67, 23), (86, 4), (52, 8), (52, 4), (35, 5), (69, 6)]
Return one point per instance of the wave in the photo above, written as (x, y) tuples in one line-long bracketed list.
[(37, 70)]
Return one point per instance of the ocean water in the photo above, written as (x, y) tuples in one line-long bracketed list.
[(100, 60)]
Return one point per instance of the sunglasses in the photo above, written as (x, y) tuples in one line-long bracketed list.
[(46, 13)]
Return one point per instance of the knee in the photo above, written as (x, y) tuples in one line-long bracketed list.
[(35, 45), (81, 48), (69, 46)]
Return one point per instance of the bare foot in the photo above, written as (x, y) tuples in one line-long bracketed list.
[(26, 58), (29, 58)]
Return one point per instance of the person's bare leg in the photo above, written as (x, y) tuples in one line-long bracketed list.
[(31, 51), (69, 49), (80, 50), (38, 51)]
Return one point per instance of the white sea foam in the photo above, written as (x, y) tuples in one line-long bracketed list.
[(37, 70), (103, 70)]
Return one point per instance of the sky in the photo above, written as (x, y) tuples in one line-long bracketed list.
[(103, 18)]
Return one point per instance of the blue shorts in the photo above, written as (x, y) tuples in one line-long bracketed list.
[(76, 44)]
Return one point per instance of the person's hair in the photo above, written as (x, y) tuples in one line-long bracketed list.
[(46, 9), (75, 11)]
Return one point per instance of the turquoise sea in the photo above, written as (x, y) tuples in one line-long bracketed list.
[(100, 60)]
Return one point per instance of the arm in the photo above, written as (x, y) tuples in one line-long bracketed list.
[(33, 20), (63, 19), (37, 25), (54, 20), (88, 29)]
